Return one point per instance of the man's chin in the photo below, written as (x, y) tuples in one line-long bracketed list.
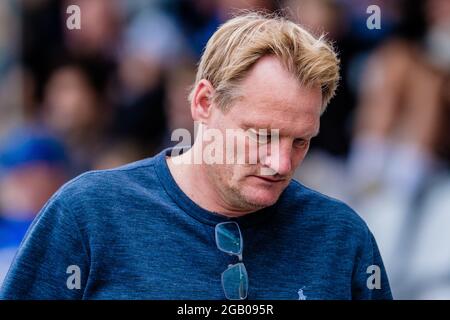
[(261, 199)]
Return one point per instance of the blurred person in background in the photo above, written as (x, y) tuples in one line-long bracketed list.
[(402, 141), (68, 74), (75, 110), (33, 165), (151, 46), (402, 117), (101, 29)]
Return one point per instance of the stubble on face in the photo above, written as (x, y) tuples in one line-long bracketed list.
[(230, 182)]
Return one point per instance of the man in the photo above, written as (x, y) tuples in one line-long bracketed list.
[(173, 227)]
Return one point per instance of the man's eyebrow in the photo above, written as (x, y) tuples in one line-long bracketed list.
[(248, 125)]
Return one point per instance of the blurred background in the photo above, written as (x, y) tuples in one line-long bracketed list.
[(112, 93)]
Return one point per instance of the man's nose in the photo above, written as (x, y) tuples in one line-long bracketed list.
[(278, 159)]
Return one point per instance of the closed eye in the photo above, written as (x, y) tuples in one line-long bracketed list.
[(300, 143)]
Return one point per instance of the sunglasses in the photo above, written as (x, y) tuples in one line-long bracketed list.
[(235, 277)]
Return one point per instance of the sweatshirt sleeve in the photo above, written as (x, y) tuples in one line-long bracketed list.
[(52, 261), (370, 281)]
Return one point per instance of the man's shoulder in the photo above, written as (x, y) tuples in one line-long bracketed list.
[(308, 204), (108, 183)]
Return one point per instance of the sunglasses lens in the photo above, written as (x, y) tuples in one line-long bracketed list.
[(228, 237), (235, 282)]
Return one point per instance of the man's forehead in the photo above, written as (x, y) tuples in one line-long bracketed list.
[(277, 113), (280, 101)]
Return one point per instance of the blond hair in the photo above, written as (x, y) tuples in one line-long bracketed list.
[(240, 42)]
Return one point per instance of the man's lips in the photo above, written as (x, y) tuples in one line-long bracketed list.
[(269, 179)]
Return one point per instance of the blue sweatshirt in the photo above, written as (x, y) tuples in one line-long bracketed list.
[(132, 233)]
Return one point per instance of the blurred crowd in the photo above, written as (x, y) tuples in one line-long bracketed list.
[(113, 91)]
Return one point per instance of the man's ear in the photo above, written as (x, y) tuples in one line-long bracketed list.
[(201, 104)]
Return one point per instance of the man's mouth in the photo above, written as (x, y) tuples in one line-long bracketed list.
[(267, 179)]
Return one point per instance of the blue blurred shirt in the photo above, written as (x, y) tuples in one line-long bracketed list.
[(12, 231), (134, 234), (11, 234)]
